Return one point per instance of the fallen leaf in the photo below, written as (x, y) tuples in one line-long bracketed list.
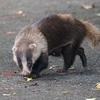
[(53, 67), (98, 14), (71, 68), (10, 32), (8, 88), (3, 81), (6, 94), (74, 86), (18, 12), (88, 6), (65, 92), (7, 73), (51, 89), (14, 93), (98, 86), (91, 99)]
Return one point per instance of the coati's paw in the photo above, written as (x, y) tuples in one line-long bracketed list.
[(60, 71), (85, 65), (34, 76)]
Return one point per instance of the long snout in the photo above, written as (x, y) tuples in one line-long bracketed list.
[(25, 71)]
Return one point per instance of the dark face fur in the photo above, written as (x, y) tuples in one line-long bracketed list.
[(29, 68), (24, 60)]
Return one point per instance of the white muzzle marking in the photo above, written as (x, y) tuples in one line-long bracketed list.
[(25, 70)]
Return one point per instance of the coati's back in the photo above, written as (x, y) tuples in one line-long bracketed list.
[(61, 30)]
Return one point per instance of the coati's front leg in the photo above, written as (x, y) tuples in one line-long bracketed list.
[(69, 52), (40, 64)]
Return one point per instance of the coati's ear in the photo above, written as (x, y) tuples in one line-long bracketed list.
[(31, 46)]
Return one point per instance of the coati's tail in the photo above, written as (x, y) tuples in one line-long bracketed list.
[(93, 34)]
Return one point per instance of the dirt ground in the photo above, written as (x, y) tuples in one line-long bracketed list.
[(77, 84)]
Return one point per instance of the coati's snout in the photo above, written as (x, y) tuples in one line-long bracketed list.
[(25, 63)]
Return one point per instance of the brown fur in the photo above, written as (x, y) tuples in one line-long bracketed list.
[(61, 31), (92, 33), (72, 25)]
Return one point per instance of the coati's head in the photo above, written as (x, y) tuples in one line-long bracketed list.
[(28, 46), (25, 57)]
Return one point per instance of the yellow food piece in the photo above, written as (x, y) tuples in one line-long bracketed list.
[(29, 79)]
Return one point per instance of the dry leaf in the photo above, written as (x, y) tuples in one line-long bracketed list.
[(71, 68), (51, 89), (7, 73), (18, 12), (14, 93), (65, 92), (98, 14), (91, 99), (6, 94), (10, 32), (98, 86), (88, 6), (74, 86), (53, 67)]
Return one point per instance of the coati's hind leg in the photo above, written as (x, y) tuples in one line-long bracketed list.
[(82, 55), (40, 64), (68, 53), (58, 52), (79, 52)]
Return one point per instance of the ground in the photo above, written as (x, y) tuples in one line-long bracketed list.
[(77, 84)]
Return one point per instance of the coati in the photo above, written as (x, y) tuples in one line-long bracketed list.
[(58, 52), (34, 42)]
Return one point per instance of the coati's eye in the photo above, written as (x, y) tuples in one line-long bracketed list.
[(20, 65), (19, 62), (29, 63), (29, 59)]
